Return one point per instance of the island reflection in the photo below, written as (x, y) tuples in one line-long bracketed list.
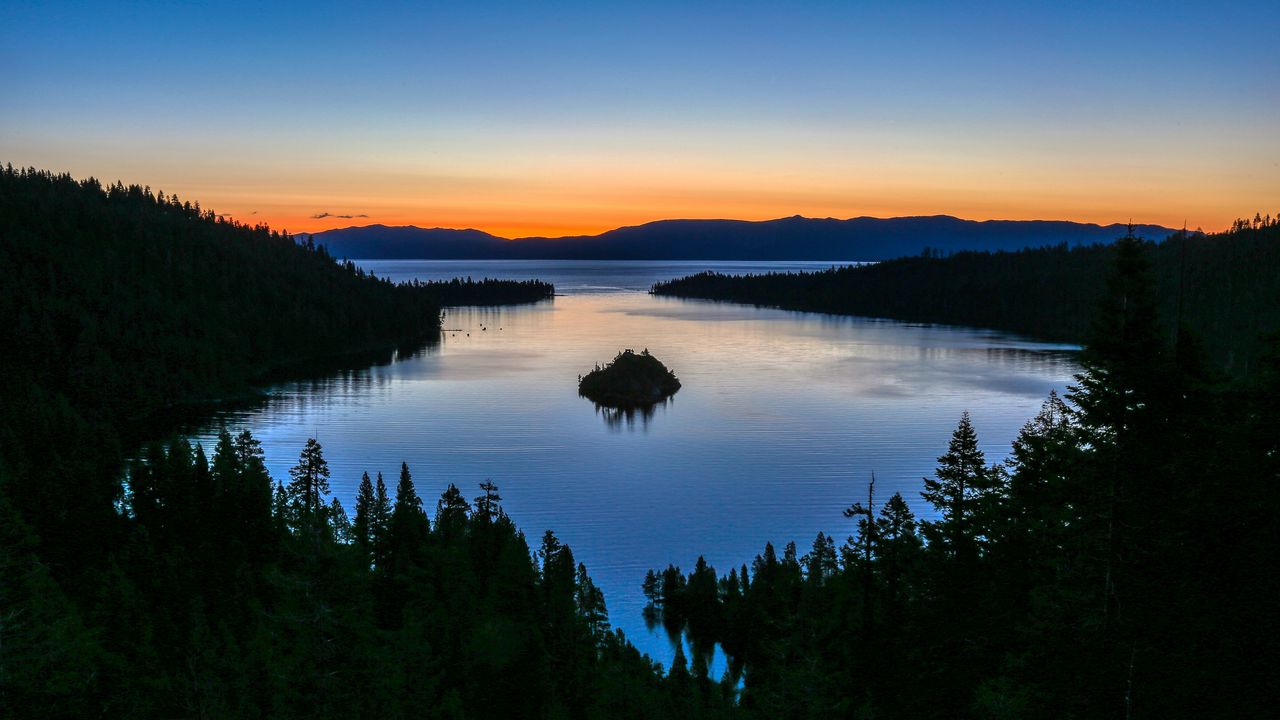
[(616, 418)]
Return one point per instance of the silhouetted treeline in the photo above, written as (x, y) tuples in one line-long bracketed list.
[(118, 302), (231, 594), (487, 291), (1225, 287), (1115, 566)]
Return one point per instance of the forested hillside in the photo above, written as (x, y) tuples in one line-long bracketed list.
[(1224, 288), (117, 304), (1111, 567)]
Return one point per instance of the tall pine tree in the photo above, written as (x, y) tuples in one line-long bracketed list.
[(309, 480)]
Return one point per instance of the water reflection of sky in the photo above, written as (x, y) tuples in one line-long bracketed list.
[(781, 420)]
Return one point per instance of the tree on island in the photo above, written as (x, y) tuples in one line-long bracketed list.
[(630, 380)]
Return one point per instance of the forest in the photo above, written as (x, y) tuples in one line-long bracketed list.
[(1112, 566), (1224, 287), (1115, 565), (226, 595), (121, 304)]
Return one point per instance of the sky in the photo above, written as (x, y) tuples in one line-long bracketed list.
[(573, 118)]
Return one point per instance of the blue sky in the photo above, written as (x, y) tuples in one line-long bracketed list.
[(581, 116)]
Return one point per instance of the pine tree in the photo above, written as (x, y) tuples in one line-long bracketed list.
[(487, 507), (559, 587), (282, 514), (203, 497), (821, 564), (673, 603), (409, 528), (897, 547), (1041, 466), (451, 514), (702, 601), (254, 496), (339, 523), (309, 481), (226, 471), (591, 605), (380, 518), (407, 499), (1125, 354), (1122, 399), (361, 528), (961, 482), (224, 512), (866, 541), (651, 588)]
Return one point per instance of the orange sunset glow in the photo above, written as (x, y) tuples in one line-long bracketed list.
[(829, 119), (582, 201)]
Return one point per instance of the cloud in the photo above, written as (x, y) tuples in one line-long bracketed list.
[(323, 215)]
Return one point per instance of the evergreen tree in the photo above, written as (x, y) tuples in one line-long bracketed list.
[(225, 470), (452, 511), (591, 605), (339, 523), (1124, 359), (407, 500), (487, 507), (963, 489), (309, 480), (702, 601), (1123, 397), (202, 498), (898, 546), (821, 564), (409, 527), (253, 497), (1125, 510), (362, 527), (380, 521), (961, 482), (282, 513), (866, 542), (1043, 467), (652, 591)]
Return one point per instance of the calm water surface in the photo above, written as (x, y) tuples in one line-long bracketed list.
[(781, 421)]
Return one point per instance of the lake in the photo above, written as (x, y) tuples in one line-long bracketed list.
[(782, 418)]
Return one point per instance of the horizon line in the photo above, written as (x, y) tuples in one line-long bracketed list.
[(736, 220)]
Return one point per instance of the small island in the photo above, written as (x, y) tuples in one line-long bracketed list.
[(631, 380)]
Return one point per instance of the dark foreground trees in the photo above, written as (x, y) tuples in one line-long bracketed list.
[(222, 603), (1117, 565)]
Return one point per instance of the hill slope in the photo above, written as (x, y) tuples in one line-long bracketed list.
[(119, 303), (1225, 287)]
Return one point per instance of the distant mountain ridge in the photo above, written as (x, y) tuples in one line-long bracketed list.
[(790, 238)]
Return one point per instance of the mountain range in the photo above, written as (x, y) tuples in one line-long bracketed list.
[(790, 238)]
